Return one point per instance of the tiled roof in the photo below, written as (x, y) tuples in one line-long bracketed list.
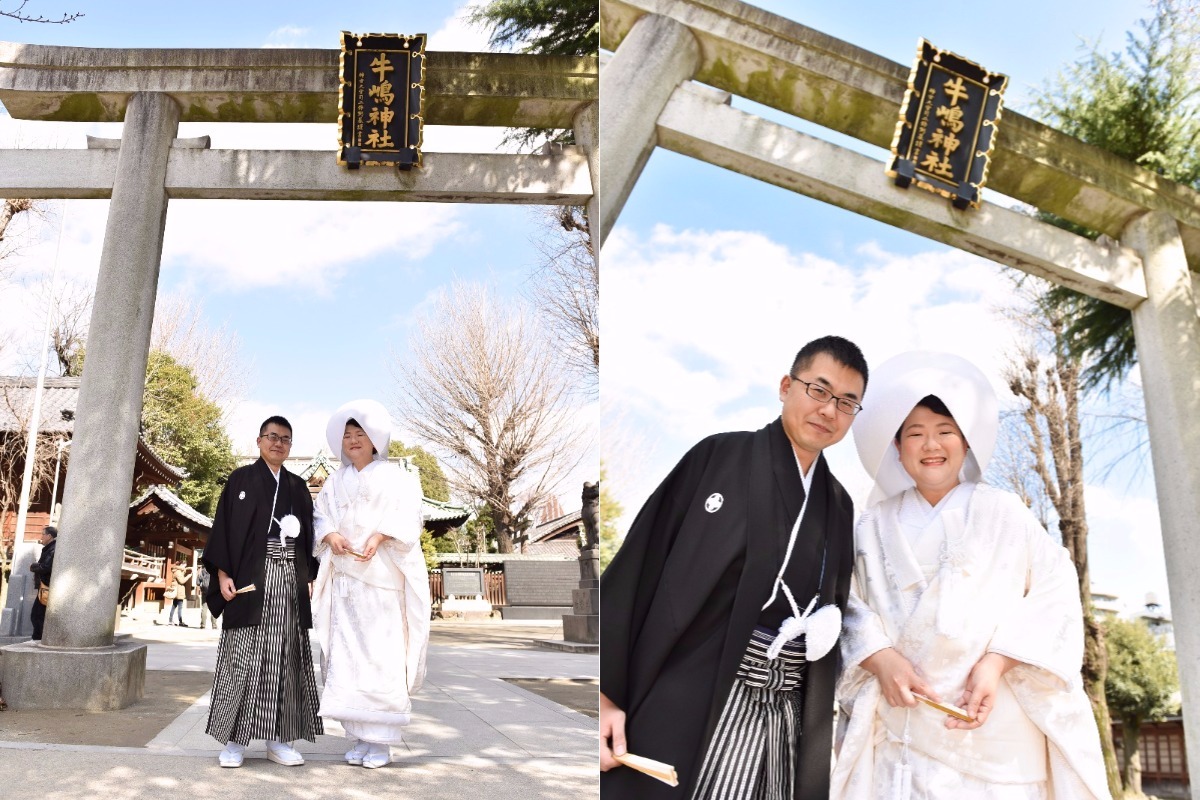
[(58, 395), (437, 511), (548, 529), (61, 395), (306, 466), (169, 498)]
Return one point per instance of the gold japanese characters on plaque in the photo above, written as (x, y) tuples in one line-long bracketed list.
[(380, 104), (948, 125)]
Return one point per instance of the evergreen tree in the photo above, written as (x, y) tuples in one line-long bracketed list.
[(1142, 682), (185, 429), (610, 510), (433, 480), (1142, 104)]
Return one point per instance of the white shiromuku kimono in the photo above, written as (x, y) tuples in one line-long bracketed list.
[(944, 586), (371, 618)]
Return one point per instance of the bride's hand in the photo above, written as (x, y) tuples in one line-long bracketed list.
[(371, 546), (980, 695), (337, 543)]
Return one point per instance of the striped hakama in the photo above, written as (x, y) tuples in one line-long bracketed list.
[(755, 750), (263, 686)]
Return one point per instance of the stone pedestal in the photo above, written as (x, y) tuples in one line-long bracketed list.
[(91, 679), (583, 625), (467, 608)]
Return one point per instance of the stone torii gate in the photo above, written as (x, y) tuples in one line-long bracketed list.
[(77, 664), (668, 84)]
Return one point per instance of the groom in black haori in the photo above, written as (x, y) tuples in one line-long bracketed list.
[(719, 611), (260, 558)]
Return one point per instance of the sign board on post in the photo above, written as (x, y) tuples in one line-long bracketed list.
[(947, 126), (462, 582), (380, 104)]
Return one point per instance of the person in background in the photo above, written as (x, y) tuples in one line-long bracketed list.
[(41, 570), (178, 590)]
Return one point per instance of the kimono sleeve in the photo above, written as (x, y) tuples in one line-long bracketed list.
[(324, 520), (863, 632), (217, 552), (629, 582), (402, 517), (1045, 627)]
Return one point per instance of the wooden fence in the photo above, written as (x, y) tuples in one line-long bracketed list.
[(493, 584)]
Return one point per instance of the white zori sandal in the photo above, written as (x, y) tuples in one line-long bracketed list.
[(285, 754), (378, 755), (354, 755), (232, 755)]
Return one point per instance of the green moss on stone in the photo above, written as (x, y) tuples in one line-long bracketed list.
[(80, 108), (238, 111)]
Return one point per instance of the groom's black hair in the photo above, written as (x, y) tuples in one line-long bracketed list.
[(843, 351), (274, 420)]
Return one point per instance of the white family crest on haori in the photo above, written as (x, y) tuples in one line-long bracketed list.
[(714, 502), (289, 527)]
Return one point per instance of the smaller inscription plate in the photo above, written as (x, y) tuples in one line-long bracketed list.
[(382, 95), (462, 581), (947, 126)]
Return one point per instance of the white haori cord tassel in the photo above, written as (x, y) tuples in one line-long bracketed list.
[(902, 777), (289, 527), (823, 627)]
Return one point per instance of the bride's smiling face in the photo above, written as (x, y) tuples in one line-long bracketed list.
[(357, 446), (932, 450)]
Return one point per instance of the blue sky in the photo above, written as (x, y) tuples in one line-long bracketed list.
[(317, 325), (753, 271)]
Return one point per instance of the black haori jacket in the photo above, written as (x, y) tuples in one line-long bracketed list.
[(683, 594), (238, 541)]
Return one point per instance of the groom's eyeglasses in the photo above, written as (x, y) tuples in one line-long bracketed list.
[(275, 437), (822, 395)]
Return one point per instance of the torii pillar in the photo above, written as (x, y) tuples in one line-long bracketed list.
[(1167, 332), (78, 664)]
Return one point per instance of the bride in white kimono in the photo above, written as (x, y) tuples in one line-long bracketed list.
[(371, 600), (960, 595)]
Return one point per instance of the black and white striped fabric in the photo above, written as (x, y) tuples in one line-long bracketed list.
[(263, 686), (755, 749)]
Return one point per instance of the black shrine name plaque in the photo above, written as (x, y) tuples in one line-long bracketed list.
[(947, 127), (380, 104)]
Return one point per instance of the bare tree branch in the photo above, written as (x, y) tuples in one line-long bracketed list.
[(566, 292), (213, 355), (19, 15), (483, 389)]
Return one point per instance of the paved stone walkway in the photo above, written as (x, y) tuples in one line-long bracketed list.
[(473, 735)]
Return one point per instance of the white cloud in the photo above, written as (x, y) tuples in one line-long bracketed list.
[(308, 425), (252, 244), (1125, 547), (457, 36), (289, 36)]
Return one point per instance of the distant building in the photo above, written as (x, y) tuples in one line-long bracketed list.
[(561, 535), (438, 517), (60, 397)]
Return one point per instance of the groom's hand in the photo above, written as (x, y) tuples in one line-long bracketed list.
[(897, 677), (612, 727), (228, 590)]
